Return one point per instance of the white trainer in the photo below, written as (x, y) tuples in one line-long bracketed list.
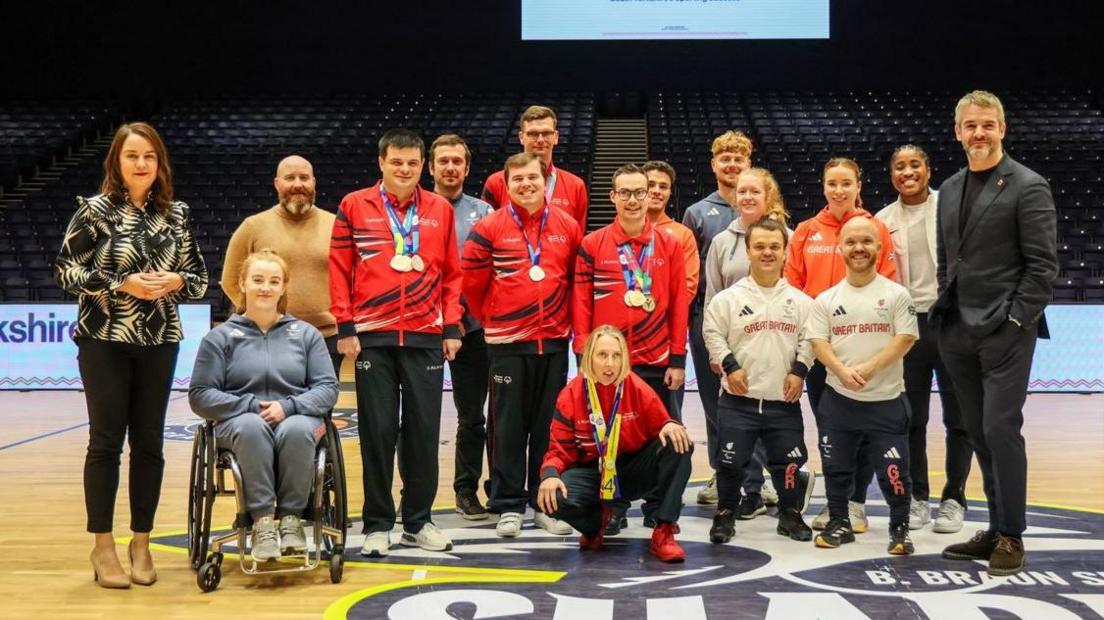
[(919, 514), (949, 517), (857, 513), (551, 525), (376, 544), (768, 492), (509, 525), (707, 496), (821, 520), (430, 538)]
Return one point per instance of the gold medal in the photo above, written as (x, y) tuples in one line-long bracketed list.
[(402, 263), (417, 263), (536, 274), (636, 298), (649, 304)]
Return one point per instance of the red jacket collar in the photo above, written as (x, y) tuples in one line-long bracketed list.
[(395, 200), (619, 235)]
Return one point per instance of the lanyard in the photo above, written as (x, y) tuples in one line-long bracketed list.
[(606, 442), (534, 252), (551, 187), (637, 269), (404, 233)]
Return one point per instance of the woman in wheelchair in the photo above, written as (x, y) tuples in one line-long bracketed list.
[(265, 378)]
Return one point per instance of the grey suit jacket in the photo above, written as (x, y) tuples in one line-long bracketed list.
[(1005, 261)]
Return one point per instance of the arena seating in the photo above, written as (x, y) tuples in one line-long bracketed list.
[(224, 154)]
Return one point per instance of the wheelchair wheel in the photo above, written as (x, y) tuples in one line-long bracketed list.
[(208, 576), (201, 498), (337, 563), (334, 508)]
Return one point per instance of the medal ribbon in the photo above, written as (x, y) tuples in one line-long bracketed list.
[(606, 442), (637, 270), (534, 253), (404, 233)]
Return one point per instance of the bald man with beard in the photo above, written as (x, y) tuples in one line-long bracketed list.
[(299, 231), (860, 329)]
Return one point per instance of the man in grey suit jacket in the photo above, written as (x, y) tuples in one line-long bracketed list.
[(997, 260)]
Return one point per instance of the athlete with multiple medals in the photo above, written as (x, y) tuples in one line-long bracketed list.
[(395, 286), (517, 266), (611, 439)]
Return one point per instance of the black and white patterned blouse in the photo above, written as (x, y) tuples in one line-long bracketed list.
[(107, 240)]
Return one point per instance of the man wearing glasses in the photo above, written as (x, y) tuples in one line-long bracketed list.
[(631, 277), (538, 135)]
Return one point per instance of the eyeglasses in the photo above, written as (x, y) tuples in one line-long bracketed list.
[(545, 135), (625, 194)]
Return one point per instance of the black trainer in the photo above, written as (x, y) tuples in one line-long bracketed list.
[(724, 526), (899, 541), (616, 523), (751, 506), (806, 480), (792, 525), (650, 522), (469, 507), (837, 532), (980, 547)]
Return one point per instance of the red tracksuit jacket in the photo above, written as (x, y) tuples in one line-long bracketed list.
[(570, 194), (513, 309), (384, 306), (655, 338), (571, 435)]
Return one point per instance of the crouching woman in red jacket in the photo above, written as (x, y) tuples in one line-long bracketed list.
[(611, 438)]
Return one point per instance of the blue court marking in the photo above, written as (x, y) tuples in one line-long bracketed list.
[(60, 431)]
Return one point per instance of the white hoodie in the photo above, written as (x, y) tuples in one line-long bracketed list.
[(763, 329)]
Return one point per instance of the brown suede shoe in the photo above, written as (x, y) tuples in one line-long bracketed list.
[(980, 547), (1007, 557)]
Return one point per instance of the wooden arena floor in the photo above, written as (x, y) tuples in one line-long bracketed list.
[(46, 573)]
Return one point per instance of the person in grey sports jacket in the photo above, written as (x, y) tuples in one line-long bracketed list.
[(266, 379)]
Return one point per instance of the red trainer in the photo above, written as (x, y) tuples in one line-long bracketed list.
[(594, 543), (664, 546)]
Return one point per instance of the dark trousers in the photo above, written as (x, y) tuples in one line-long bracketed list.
[(335, 357), (815, 383), (746, 423), (709, 390), (523, 396), (126, 387), (880, 430), (653, 376), (653, 467), (382, 375), (990, 379), (921, 361), (469, 394)]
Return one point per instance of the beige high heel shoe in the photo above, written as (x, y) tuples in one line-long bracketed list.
[(101, 565), (142, 576)]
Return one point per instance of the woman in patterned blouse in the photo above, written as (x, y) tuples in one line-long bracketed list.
[(130, 257)]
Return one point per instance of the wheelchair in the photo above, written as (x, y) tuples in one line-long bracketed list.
[(326, 510)]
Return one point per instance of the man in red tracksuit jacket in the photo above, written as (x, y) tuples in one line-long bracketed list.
[(611, 439), (518, 264), (395, 286), (538, 135), (632, 277)]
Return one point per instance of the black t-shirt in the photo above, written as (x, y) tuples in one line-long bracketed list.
[(975, 182)]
